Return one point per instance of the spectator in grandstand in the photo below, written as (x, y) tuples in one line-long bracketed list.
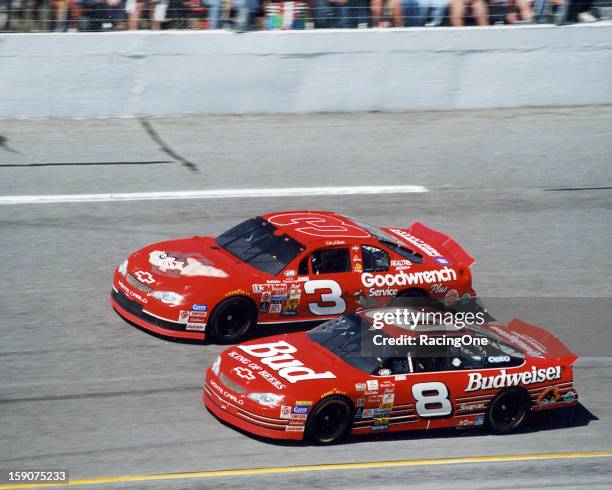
[(378, 10), (332, 13), (518, 9), (479, 10), (414, 12)]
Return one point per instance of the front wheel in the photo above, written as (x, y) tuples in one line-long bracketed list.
[(232, 320), (507, 411), (330, 420)]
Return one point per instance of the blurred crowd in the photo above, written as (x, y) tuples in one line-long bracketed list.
[(242, 15)]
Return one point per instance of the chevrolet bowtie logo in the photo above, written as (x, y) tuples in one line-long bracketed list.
[(244, 373)]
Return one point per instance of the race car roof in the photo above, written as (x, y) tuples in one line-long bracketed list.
[(310, 226)]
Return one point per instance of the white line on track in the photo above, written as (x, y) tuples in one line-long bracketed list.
[(213, 194)]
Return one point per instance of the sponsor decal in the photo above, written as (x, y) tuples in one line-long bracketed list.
[(357, 267), (401, 264), (199, 307), (197, 316), (199, 327), (361, 402), (372, 384), (374, 399), (439, 289), (290, 273), (383, 292), (480, 420), (403, 278), (442, 260), (275, 308), (290, 306), (386, 406), (400, 377), (331, 243), (381, 412), (570, 396), (302, 402), (278, 356), (388, 398), (498, 359), (384, 372), (298, 416), (183, 316), (244, 373), (425, 247), (294, 428), (131, 294), (471, 406), (237, 292), (285, 412), (358, 412), (368, 413), (360, 386), (479, 382), (176, 264), (380, 427), (387, 386), (466, 422), (301, 409)]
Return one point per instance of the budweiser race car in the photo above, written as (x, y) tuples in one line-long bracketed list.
[(296, 266), (323, 384)]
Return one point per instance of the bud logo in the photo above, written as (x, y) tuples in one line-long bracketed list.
[(244, 373), (277, 355), (425, 247), (408, 278), (503, 380)]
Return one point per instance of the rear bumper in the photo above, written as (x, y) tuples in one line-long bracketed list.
[(247, 420), (133, 312)]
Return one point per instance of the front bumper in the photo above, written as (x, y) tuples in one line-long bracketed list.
[(134, 312), (273, 428)]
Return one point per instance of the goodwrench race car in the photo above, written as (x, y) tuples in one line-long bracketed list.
[(297, 266), (327, 383)]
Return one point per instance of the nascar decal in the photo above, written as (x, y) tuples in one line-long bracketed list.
[(175, 264), (503, 379), (425, 247), (277, 355)]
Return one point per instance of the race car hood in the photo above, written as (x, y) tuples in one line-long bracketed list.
[(180, 264), (534, 342), (286, 363)]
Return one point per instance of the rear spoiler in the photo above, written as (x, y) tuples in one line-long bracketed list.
[(438, 241), (533, 341)]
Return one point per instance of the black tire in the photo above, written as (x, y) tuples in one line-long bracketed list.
[(232, 320), (507, 411), (330, 420)]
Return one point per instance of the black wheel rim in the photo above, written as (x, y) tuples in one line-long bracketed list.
[(329, 420), (508, 411), (233, 320)]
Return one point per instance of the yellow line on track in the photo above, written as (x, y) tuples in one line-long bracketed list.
[(277, 470)]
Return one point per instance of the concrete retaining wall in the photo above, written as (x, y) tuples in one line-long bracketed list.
[(170, 73)]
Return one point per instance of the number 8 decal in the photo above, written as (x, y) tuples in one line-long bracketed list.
[(439, 398), (334, 296)]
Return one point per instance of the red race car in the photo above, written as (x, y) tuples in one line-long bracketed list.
[(323, 384), (298, 266)]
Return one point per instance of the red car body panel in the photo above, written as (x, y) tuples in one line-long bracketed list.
[(205, 274), (391, 403)]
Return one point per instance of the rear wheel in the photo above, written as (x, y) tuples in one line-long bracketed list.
[(232, 320), (330, 420), (507, 411)]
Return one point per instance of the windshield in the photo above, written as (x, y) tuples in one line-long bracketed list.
[(390, 241), (348, 338), (342, 336), (255, 243)]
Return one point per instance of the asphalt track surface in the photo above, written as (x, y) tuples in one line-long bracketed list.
[(527, 192)]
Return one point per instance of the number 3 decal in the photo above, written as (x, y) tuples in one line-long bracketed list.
[(334, 296), (427, 394)]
